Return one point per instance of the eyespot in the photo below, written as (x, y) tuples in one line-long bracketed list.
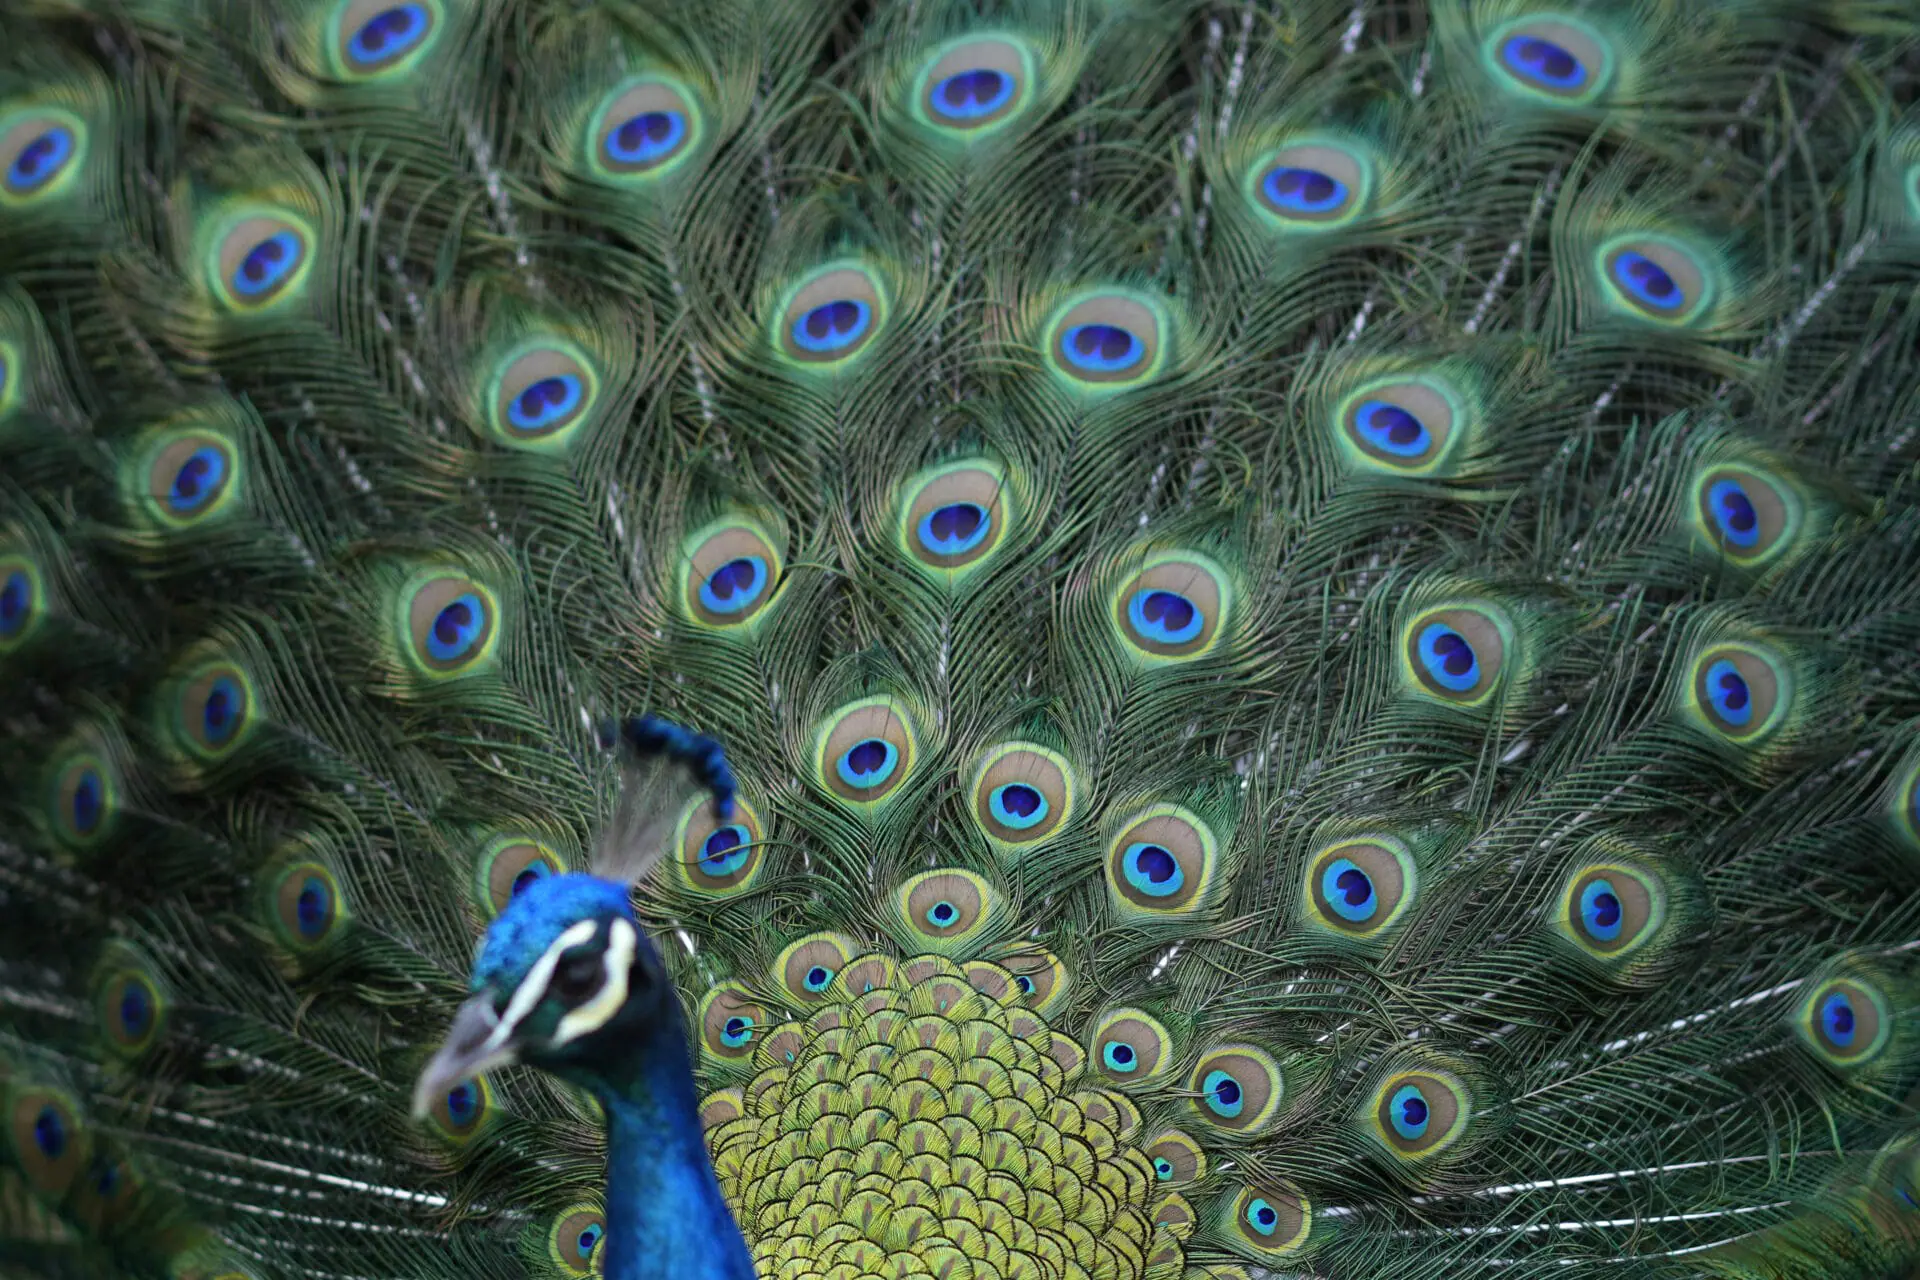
[(40, 152), (1177, 1159), (85, 800), (1847, 1020), (1041, 979), (1557, 58), (718, 858), (1654, 278), (1458, 654), (1359, 888), (1237, 1087), (731, 572), (22, 600), (945, 911), (832, 316), (575, 1238), (215, 710), (1610, 909), (539, 394), (1022, 793), (973, 87), (1131, 1048), (1313, 186), (1173, 608), (459, 1114), (1270, 1220), (308, 907), (732, 1023), (956, 516), (647, 127), (1748, 515), (373, 37), (1906, 801), (191, 477), (808, 967), (451, 624), (865, 751), (130, 1010), (50, 1142), (1404, 425), (1419, 1113), (1740, 692), (507, 865), (259, 260), (1107, 341), (1162, 862)]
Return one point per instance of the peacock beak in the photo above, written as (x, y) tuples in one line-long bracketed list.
[(475, 1044)]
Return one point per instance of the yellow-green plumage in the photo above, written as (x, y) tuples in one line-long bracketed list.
[(1315, 606)]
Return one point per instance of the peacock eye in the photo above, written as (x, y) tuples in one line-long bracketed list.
[(578, 978)]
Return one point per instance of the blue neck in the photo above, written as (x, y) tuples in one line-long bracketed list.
[(665, 1213)]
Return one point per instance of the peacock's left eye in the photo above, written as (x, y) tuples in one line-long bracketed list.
[(577, 978)]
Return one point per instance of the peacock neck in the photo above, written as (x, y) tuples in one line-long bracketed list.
[(664, 1211)]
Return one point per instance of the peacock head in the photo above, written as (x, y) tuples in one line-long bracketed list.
[(566, 981)]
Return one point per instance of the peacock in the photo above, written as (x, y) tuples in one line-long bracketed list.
[(960, 639)]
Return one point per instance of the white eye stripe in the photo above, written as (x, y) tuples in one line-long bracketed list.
[(617, 961), (529, 992)]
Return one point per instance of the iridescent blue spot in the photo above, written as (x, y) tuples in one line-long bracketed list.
[(867, 763), (1163, 1169), (268, 264), (533, 871), (1600, 914), (198, 480), (313, 909), (1101, 348), (1119, 1056), (1646, 281), (1261, 1217), (463, 1104), (388, 35), (736, 1032), (1304, 191), (832, 326), (220, 714), (587, 1241), (1407, 1112), (646, 139), (725, 851), (457, 628), (89, 800), (969, 95), (1391, 429), (50, 1132), (1159, 616), (1837, 1020), (1025, 984), (136, 1010), (818, 978), (106, 1178), (1152, 870), (1223, 1095), (1017, 805), (1349, 891), (1447, 658), (41, 160), (1728, 695), (735, 585), (954, 529), (1542, 63), (547, 403), (1733, 513), (943, 915), (16, 602)]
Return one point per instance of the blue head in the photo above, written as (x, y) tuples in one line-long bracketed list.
[(566, 981)]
